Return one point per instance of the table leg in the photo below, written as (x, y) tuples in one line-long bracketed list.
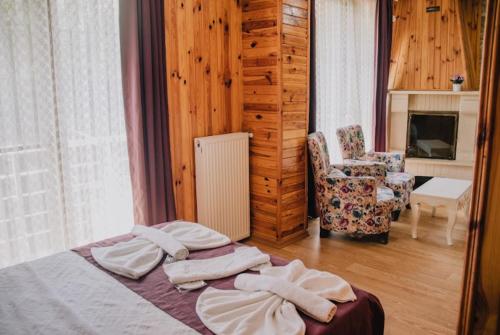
[(433, 211), (415, 210), (452, 219), (467, 209)]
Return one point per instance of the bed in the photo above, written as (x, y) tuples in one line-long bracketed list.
[(151, 302)]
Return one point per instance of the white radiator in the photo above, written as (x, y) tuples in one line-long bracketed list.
[(222, 184)]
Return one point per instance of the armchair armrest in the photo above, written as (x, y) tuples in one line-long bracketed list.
[(357, 168), (351, 188), (395, 161)]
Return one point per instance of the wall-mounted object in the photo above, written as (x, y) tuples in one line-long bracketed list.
[(433, 9), (222, 184)]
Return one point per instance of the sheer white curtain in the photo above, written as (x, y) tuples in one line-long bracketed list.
[(64, 172), (345, 55)]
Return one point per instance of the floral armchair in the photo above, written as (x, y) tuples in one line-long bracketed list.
[(352, 144), (349, 203)]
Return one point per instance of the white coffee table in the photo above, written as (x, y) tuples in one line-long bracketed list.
[(454, 194)]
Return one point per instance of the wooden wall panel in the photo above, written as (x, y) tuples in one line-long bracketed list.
[(205, 88), (275, 94), (261, 111), (428, 48), (295, 107), (480, 306)]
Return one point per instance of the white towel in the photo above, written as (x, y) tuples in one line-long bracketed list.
[(310, 303), (136, 257), (264, 312), (164, 240), (132, 259), (195, 236), (228, 312), (242, 259), (322, 283)]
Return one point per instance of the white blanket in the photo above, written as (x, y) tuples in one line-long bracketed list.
[(264, 312), (242, 259), (64, 294), (136, 257)]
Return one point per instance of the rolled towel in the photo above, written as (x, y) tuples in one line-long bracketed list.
[(322, 283), (242, 259), (164, 240), (311, 304)]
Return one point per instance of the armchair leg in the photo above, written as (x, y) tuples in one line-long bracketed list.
[(324, 233), (383, 238), (395, 215)]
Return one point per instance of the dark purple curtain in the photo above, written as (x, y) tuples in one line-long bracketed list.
[(142, 35), (383, 42), (311, 203)]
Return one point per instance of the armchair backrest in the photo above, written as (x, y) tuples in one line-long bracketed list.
[(318, 153), (351, 142)]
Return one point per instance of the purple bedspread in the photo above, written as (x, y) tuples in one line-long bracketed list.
[(363, 317)]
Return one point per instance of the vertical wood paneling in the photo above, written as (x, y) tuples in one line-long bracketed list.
[(204, 71), (295, 106), (275, 81), (428, 48), (480, 306), (261, 112), (233, 68)]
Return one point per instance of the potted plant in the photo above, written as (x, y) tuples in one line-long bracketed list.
[(457, 80)]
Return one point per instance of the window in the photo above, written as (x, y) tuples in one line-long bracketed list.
[(64, 172), (345, 55)]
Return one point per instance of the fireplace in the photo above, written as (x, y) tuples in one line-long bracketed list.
[(432, 134), (458, 109)]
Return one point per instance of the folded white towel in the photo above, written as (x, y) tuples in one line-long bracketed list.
[(263, 312), (228, 312), (195, 236), (136, 257), (164, 240), (132, 259), (322, 283), (243, 258), (310, 303)]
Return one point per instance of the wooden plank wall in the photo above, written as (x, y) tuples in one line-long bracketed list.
[(428, 48), (275, 81), (295, 116), (480, 305), (204, 71), (261, 112)]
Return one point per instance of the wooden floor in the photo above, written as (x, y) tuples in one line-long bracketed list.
[(417, 281)]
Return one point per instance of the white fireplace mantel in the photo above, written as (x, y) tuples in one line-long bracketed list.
[(435, 92), (466, 103)]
